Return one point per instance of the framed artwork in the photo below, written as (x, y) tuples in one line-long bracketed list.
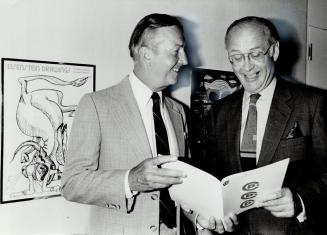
[(39, 99), (208, 86)]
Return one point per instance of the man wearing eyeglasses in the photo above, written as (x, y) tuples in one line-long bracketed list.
[(267, 121)]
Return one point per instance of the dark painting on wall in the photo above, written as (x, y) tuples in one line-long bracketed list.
[(208, 86), (39, 99)]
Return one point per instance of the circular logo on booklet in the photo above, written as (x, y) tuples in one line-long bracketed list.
[(226, 182), (249, 195), (250, 186), (247, 203)]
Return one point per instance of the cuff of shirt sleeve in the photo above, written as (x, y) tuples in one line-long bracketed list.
[(128, 192), (198, 226), (302, 215)]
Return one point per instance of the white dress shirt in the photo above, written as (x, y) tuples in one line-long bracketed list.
[(263, 107), (142, 95)]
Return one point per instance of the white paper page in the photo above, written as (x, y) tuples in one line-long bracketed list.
[(200, 191), (241, 190)]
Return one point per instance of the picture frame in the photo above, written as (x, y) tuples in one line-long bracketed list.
[(39, 99), (208, 86)]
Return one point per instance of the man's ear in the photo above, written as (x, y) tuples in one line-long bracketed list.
[(276, 51), (145, 53)]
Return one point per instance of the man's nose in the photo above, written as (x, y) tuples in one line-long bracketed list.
[(183, 57), (247, 63)]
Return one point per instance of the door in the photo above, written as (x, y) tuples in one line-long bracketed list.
[(317, 58)]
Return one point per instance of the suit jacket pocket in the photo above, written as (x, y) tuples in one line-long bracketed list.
[(295, 149)]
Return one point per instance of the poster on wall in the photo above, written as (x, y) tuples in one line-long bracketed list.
[(39, 99), (211, 85), (208, 86)]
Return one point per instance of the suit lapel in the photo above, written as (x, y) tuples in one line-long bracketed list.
[(131, 121), (234, 128), (177, 122), (279, 114)]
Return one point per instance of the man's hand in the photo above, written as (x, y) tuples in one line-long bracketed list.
[(280, 203), (218, 225), (146, 176)]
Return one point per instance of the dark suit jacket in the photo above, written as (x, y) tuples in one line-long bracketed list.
[(306, 147)]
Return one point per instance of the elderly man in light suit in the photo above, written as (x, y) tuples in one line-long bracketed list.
[(112, 161)]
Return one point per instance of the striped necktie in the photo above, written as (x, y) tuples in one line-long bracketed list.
[(167, 206), (249, 141)]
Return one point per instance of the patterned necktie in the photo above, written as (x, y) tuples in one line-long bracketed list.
[(167, 206), (249, 141)]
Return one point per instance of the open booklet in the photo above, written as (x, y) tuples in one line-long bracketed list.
[(207, 196)]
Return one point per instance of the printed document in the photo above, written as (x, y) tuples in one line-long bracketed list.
[(207, 196)]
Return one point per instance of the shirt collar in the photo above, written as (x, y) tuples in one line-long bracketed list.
[(265, 93), (141, 91)]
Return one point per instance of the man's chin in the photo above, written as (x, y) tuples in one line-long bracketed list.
[(251, 89), (173, 80)]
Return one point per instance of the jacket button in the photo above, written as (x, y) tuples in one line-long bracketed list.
[(153, 228), (113, 206), (154, 196)]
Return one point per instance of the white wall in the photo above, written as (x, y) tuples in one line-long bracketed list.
[(97, 32)]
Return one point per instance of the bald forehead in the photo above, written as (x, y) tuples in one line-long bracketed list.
[(247, 30)]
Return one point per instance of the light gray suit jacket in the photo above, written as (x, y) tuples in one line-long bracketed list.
[(107, 139)]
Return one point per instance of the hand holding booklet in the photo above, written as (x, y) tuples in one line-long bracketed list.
[(207, 196)]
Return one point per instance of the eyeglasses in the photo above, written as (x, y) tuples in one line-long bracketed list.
[(257, 56)]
